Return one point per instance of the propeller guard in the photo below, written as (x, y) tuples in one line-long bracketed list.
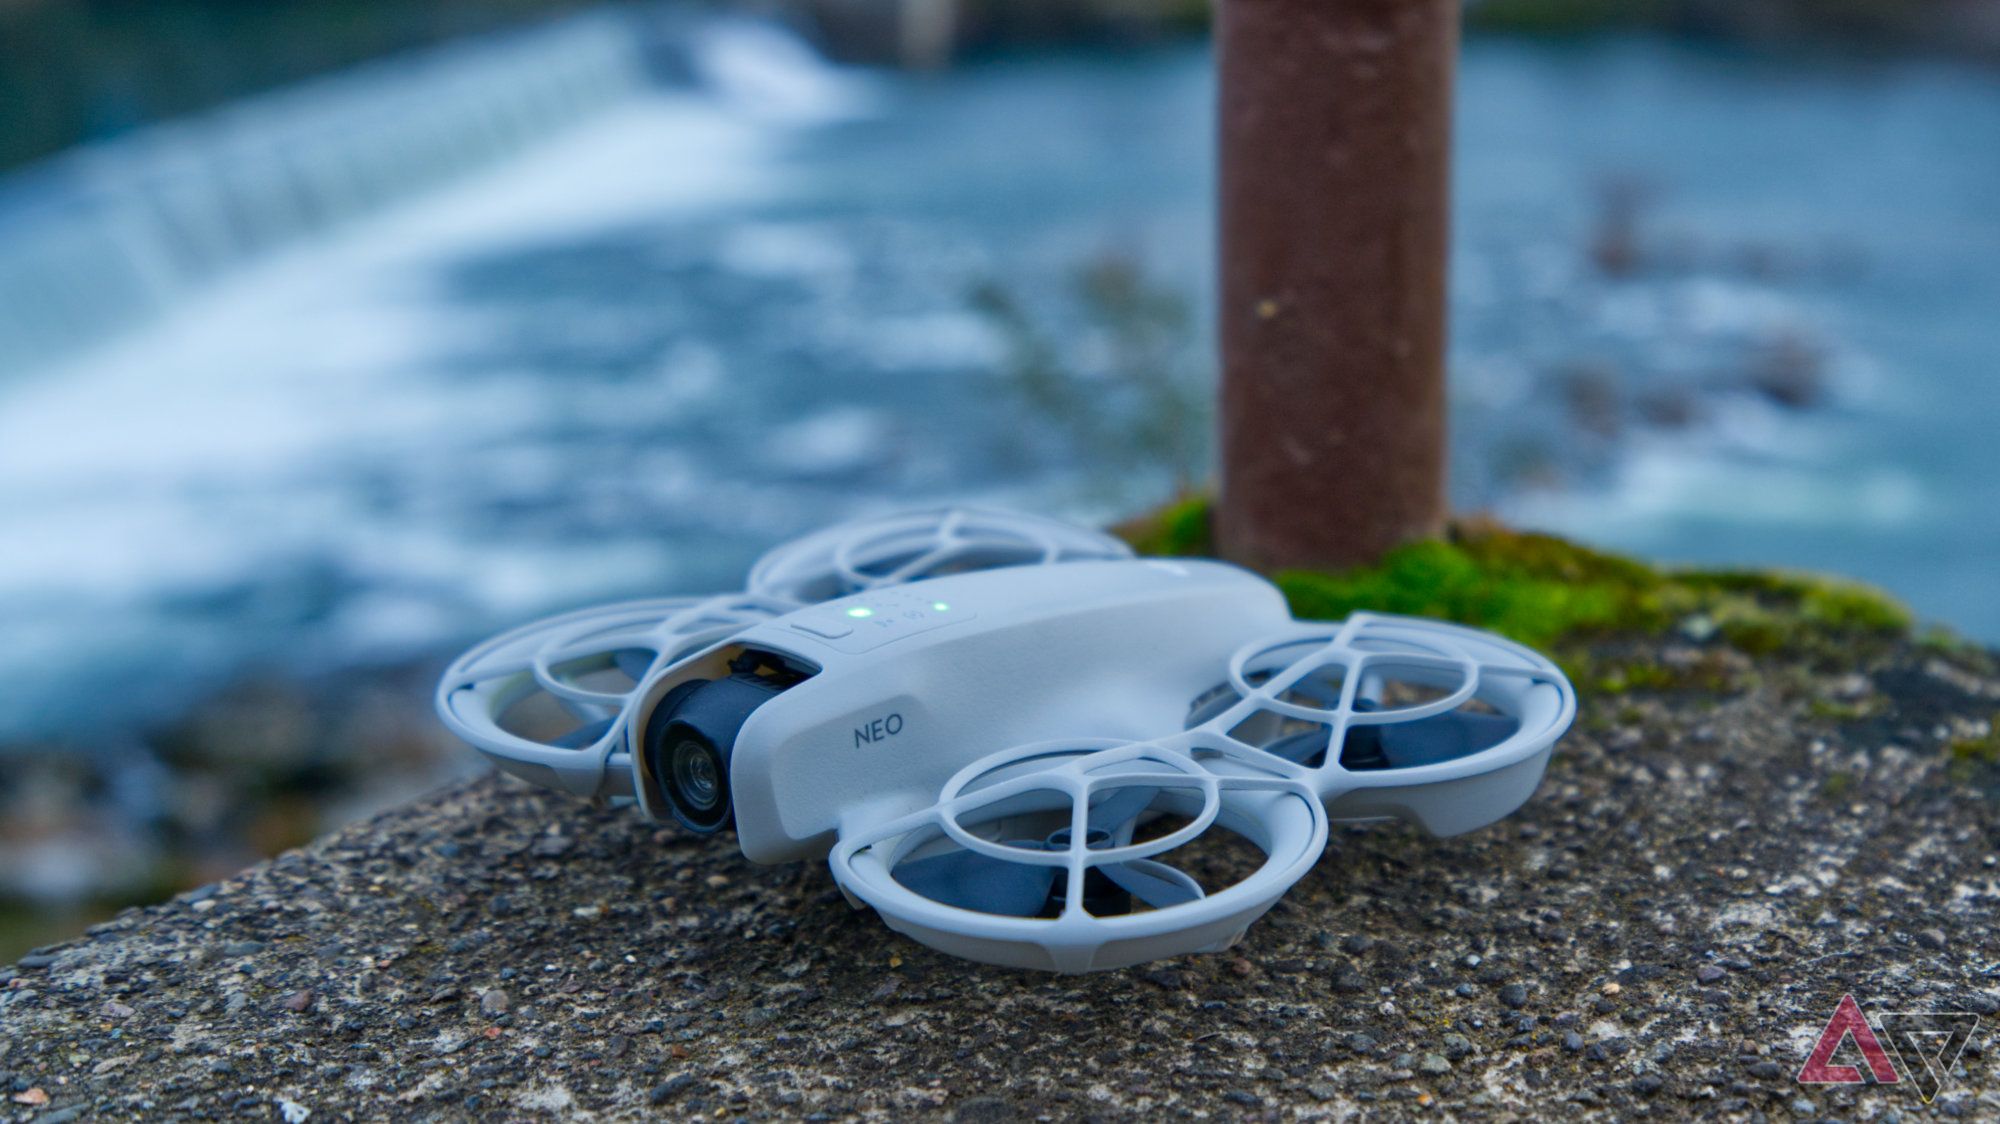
[(1458, 669), (910, 546), (484, 686), (1279, 815)]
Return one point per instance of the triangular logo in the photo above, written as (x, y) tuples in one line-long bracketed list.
[(1848, 1021), (1928, 1044)]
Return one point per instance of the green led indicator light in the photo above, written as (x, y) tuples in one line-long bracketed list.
[(941, 607), (861, 611)]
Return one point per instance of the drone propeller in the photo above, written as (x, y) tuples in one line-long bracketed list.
[(972, 880), (585, 736), (910, 546), (1380, 714), (1052, 855), (549, 702)]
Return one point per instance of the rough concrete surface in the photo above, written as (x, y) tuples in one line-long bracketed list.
[(1662, 931)]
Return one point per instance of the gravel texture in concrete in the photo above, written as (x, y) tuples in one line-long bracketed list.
[(1711, 863)]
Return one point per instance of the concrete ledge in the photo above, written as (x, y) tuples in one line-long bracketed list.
[(1664, 929)]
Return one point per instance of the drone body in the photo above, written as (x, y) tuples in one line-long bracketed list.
[(911, 684), (1013, 762)]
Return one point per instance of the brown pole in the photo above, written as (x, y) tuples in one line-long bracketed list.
[(1335, 159)]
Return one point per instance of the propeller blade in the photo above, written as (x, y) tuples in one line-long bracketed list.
[(1319, 691), (970, 880), (1154, 883), (583, 737), (1121, 808), (1443, 737), (635, 662), (1427, 741), (1300, 747)]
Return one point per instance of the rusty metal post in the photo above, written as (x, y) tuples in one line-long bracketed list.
[(1335, 156)]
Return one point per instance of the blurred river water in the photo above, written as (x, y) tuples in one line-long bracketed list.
[(1707, 306)]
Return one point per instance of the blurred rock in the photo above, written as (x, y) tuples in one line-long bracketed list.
[(262, 767), (1591, 391), (1790, 370), (1617, 243)]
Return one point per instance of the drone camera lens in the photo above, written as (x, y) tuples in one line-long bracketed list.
[(696, 776), (692, 734), (697, 773)]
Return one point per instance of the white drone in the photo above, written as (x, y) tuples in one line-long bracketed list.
[(999, 726)]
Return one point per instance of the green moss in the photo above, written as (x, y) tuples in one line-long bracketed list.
[(1837, 786), (1844, 605), (1547, 592), (1530, 587), (1178, 530), (1983, 750), (1944, 642), (1757, 636), (1840, 604), (1640, 675), (1833, 711)]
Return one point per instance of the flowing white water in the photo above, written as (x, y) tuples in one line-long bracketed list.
[(250, 439), (121, 231), (694, 320)]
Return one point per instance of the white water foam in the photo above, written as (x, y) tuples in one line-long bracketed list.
[(162, 471)]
